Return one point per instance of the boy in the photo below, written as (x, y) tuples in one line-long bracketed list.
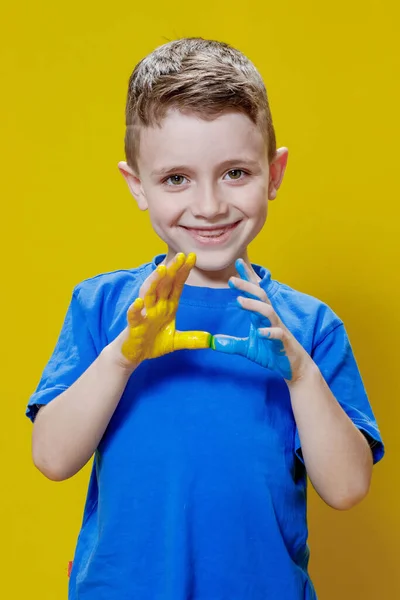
[(202, 444)]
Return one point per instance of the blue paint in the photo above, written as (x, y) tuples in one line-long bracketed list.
[(241, 269), (257, 319), (266, 352), (258, 347), (231, 285)]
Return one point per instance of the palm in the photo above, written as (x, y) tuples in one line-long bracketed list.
[(152, 334), (266, 352)]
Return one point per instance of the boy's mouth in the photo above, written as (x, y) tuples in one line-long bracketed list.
[(215, 234)]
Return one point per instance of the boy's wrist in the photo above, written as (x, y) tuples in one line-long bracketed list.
[(114, 357), (309, 375)]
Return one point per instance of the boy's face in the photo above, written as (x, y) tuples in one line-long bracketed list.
[(206, 185)]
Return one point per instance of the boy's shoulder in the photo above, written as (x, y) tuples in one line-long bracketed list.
[(111, 284), (303, 312)]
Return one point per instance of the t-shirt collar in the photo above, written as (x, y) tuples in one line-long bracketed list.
[(226, 295)]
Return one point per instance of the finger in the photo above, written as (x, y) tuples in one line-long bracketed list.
[(258, 308), (192, 340), (249, 289), (176, 264), (245, 272), (155, 275), (165, 285), (179, 274), (191, 260), (230, 345), (150, 297), (134, 314), (181, 277), (271, 333)]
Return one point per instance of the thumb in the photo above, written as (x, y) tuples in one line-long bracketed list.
[(192, 340), (230, 345)]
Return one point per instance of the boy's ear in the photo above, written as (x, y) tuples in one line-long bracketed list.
[(134, 184), (276, 172)]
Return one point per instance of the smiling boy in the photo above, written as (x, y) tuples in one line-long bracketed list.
[(198, 489)]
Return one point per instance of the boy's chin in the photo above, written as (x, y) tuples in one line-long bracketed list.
[(214, 264), (217, 263)]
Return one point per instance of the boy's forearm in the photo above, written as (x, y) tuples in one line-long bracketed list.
[(68, 430), (336, 454)]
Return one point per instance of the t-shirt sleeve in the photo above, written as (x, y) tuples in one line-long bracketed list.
[(74, 353), (335, 359)]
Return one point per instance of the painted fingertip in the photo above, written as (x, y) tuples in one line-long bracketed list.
[(241, 269), (180, 259), (138, 303), (161, 269), (231, 284), (191, 259), (239, 264)]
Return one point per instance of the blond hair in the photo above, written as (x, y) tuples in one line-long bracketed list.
[(193, 75)]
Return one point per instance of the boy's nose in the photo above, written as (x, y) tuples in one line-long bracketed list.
[(209, 204)]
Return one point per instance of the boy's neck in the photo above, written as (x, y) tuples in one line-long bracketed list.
[(211, 279)]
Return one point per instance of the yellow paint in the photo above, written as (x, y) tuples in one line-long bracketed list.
[(151, 319), (331, 69)]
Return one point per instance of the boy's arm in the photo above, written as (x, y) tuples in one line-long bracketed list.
[(337, 455), (68, 430)]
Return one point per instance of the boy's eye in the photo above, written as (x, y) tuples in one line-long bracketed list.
[(235, 173), (175, 180)]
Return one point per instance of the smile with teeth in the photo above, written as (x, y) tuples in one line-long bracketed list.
[(211, 233)]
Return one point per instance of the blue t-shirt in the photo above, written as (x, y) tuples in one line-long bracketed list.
[(198, 489)]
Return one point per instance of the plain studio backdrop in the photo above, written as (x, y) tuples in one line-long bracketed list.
[(332, 72)]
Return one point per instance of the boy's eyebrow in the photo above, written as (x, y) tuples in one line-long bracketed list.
[(245, 162), (169, 170)]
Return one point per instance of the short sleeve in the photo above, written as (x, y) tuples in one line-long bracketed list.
[(74, 352), (335, 359)]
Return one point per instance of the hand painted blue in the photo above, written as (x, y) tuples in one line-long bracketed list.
[(258, 347)]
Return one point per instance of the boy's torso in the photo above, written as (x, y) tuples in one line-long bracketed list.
[(196, 490)]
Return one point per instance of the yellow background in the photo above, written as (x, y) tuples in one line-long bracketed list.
[(332, 72)]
